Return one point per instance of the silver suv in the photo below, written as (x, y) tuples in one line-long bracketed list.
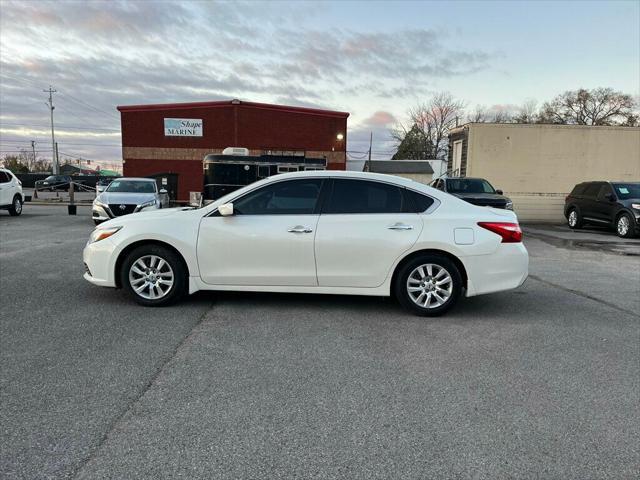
[(128, 195)]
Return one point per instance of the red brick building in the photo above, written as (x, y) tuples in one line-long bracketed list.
[(175, 138)]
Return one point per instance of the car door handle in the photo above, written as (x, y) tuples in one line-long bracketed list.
[(299, 229), (400, 226)]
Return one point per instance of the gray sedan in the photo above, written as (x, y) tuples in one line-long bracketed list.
[(128, 195)]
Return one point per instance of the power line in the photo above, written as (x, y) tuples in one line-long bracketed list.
[(27, 142), (60, 126), (81, 102)]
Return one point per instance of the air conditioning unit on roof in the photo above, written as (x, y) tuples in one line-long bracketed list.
[(236, 151)]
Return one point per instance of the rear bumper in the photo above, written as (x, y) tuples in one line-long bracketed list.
[(505, 269)]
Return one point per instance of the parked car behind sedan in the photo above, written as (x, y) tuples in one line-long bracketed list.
[(53, 183), (331, 232), (11, 197), (612, 204), (128, 195), (473, 190), (102, 184)]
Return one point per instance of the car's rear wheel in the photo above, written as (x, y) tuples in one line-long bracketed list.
[(428, 285), (16, 206), (154, 276), (574, 219), (624, 226)]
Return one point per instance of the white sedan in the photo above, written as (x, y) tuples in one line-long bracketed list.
[(315, 232)]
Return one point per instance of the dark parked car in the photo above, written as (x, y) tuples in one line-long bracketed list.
[(614, 204), (473, 190), (54, 182)]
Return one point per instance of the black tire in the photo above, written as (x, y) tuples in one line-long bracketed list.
[(402, 285), (177, 267), (574, 219), (625, 226), (16, 206)]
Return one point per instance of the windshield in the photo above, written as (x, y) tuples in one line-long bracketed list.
[(625, 191), (469, 185), (132, 186)]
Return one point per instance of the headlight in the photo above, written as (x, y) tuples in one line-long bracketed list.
[(636, 206), (102, 233), (150, 203), (509, 205), (98, 203)]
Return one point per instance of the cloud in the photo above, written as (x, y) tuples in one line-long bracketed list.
[(380, 119), (117, 53)]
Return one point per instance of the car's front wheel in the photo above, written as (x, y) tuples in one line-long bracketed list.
[(16, 206), (428, 285), (154, 276), (624, 226)]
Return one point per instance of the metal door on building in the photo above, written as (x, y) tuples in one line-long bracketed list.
[(167, 181)]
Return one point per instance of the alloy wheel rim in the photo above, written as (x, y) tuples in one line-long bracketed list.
[(17, 206), (429, 285), (573, 217), (151, 277), (623, 225)]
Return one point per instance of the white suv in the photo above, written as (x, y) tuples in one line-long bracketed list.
[(10, 193)]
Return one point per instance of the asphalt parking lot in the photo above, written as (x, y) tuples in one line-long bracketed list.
[(540, 382)]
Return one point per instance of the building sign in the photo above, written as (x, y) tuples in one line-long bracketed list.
[(182, 127)]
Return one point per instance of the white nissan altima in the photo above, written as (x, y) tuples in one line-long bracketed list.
[(315, 232)]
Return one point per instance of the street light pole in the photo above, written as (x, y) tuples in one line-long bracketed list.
[(54, 163)]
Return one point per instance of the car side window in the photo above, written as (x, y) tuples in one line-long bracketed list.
[(606, 188), (417, 202), (4, 178), (363, 196), (292, 197), (592, 190)]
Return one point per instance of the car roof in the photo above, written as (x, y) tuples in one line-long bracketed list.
[(350, 174), (463, 178), (137, 179)]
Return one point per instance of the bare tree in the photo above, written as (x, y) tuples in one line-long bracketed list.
[(527, 112), (495, 114), (479, 115), (600, 106), (430, 122), (501, 116)]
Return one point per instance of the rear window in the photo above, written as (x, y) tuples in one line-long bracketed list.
[(579, 189)]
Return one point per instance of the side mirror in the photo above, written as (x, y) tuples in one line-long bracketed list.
[(499, 192), (163, 191), (226, 210)]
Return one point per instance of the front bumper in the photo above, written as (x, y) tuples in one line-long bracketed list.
[(102, 213), (99, 261)]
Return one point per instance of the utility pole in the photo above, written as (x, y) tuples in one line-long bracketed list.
[(54, 157), (33, 149), (368, 166)]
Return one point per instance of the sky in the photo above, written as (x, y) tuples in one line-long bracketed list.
[(373, 59)]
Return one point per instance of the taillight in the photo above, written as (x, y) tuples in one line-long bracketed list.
[(510, 232)]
